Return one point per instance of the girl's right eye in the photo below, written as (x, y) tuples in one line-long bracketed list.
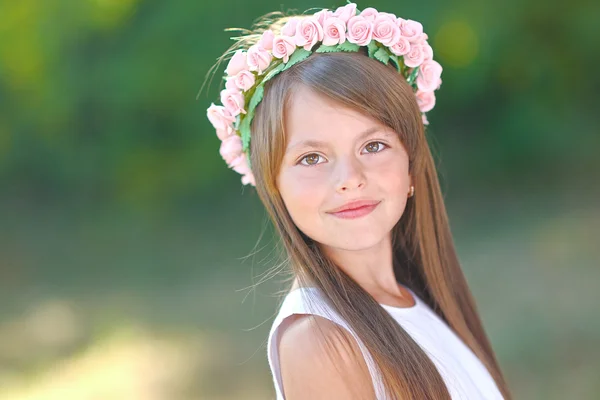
[(311, 159)]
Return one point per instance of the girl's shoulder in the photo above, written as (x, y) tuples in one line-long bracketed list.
[(303, 329), (319, 359)]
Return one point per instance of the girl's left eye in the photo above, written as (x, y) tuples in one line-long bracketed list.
[(311, 159), (375, 147)]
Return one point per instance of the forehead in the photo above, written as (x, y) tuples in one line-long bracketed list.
[(312, 115)]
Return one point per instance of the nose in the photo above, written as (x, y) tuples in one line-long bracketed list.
[(350, 174)]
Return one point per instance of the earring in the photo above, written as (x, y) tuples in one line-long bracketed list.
[(412, 191)]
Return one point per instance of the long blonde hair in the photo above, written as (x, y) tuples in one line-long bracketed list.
[(424, 253)]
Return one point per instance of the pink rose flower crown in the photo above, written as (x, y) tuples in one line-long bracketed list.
[(388, 39)]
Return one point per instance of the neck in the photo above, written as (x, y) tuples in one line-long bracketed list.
[(372, 268)]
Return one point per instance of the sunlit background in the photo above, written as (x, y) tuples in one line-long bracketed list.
[(127, 265)]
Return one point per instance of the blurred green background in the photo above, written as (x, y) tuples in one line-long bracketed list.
[(129, 252)]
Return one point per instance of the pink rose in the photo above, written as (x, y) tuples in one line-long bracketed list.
[(334, 31), (266, 40), (421, 38), (219, 117), (429, 76), (233, 100), (259, 58), (426, 100), (231, 148), (401, 47), (360, 31), (388, 15), (424, 119), (283, 47), (322, 15), (369, 14), (428, 51), (230, 83), (240, 164), (415, 56), (411, 30), (308, 33), (385, 30), (289, 29), (224, 133), (244, 80), (346, 12), (248, 179), (237, 63)]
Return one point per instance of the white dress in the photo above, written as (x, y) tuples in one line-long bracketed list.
[(464, 374)]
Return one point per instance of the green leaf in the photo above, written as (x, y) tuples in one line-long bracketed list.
[(347, 46), (249, 160), (273, 72), (326, 49), (244, 125), (372, 47), (245, 132), (413, 76), (297, 56), (394, 60), (382, 55), (256, 98)]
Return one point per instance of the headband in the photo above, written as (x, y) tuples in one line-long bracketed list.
[(388, 39)]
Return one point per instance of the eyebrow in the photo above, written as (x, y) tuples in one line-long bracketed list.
[(318, 143)]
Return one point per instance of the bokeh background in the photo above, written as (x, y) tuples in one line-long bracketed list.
[(130, 259)]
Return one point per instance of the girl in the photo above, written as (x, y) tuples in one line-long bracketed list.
[(324, 115)]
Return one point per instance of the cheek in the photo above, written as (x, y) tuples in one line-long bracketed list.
[(303, 198), (391, 173)]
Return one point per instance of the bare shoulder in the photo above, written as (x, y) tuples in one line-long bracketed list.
[(320, 360)]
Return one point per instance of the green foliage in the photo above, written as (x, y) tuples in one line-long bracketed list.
[(245, 131), (103, 94), (349, 47), (382, 55), (413, 76), (372, 48), (272, 72), (244, 128), (298, 55), (326, 49), (394, 60), (256, 98)]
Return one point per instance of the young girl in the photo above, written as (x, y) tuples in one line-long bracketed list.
[(324, 115)]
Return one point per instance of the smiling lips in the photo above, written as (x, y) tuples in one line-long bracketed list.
[(354, 209)]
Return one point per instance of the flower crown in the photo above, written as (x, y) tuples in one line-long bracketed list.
[(389, 39)]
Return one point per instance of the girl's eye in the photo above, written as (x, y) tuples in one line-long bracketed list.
[(375, 147), (311, 159)]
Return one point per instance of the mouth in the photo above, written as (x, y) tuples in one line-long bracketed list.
[(357, 212)]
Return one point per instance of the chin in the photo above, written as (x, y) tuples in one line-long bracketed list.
[(353, 240)]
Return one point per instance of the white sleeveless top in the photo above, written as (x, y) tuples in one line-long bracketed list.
[(464, 374)]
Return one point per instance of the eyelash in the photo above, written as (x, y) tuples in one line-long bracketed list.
[(313, 165)]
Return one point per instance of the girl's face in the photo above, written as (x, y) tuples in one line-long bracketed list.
[(335, 155)]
